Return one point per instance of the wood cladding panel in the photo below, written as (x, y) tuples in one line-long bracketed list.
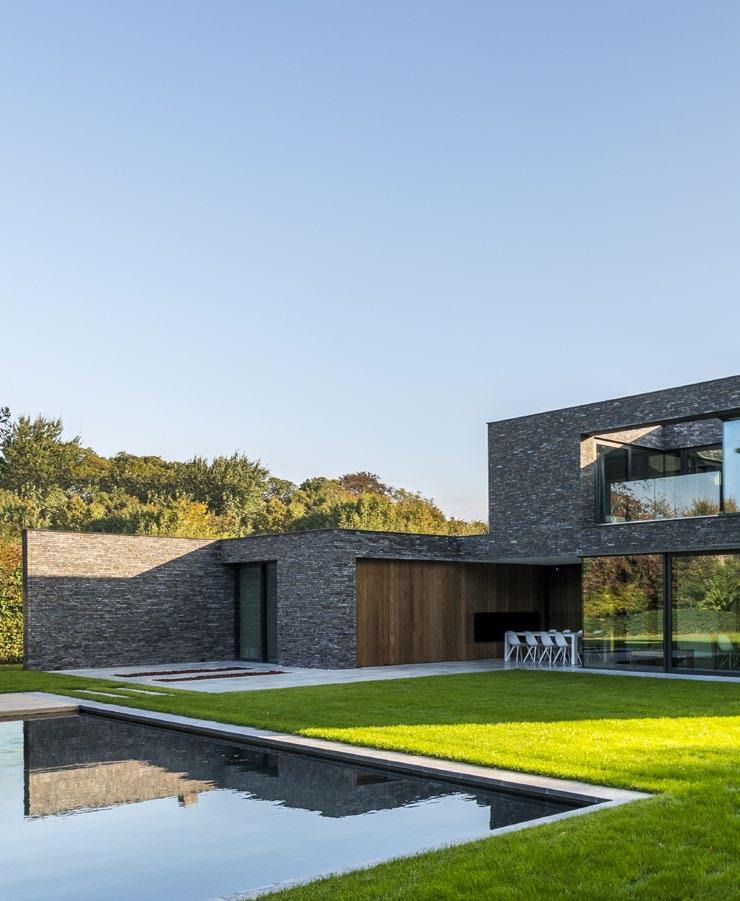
[(422, 611), (376, 616), (565, 610)]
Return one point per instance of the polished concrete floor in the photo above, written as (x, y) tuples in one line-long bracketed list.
[(240, 675)]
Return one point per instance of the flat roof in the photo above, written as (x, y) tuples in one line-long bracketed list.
[(617, 400)]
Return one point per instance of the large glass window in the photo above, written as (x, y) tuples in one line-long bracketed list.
[(705, 611), (638, 483), (731, 458), (623, 612)]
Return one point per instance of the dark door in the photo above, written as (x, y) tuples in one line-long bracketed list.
[(256, 612)]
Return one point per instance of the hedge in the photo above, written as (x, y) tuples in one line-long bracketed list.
[(11, 611)]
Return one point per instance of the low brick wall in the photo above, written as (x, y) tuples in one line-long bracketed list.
[(112, 600)]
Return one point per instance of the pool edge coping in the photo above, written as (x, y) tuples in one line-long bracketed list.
[(483, 777)]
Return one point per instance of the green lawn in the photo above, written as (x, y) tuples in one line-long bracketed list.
[(678, 739)]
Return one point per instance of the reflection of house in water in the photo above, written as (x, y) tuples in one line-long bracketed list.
[(87, 761), (82, 762)]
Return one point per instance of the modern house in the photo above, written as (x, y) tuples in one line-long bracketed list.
[(620, 517)]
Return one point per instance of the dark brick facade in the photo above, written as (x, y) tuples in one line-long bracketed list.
[(542, 481), (110, 600)]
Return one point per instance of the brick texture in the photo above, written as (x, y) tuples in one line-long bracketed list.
[(110, 600)]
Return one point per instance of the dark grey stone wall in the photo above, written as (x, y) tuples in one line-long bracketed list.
[(542, 481), (316, 585), (111, 600), (692, 434), (315, 623)]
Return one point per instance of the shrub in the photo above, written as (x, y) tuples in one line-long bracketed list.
[(11, 604)]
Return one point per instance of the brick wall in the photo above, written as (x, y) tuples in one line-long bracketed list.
[(105, 600), (109, 600)]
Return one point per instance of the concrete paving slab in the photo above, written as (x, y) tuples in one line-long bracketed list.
[(289, 677), (17, 705), (295, 677)]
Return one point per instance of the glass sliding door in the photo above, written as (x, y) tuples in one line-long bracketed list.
[(623, 612), (705, 611), (257, 612)]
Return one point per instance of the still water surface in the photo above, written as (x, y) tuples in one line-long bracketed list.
[(97, 809)]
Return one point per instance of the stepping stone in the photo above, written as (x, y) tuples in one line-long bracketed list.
[(106, 694), (142, 691)]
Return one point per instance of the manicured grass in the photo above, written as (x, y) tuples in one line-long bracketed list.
[(678, 739)]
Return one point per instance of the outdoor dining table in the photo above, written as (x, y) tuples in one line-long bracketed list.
[(572, 637)]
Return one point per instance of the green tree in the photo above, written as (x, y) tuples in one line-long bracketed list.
[(233, 487), (34, 459), (146, 478), (358, 483)]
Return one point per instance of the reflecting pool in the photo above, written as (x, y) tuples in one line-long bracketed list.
[(98, 808)]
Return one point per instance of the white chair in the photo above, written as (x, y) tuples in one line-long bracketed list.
[(562, 655), (579, 641), (514, 647), (534, 648), (548, 647)]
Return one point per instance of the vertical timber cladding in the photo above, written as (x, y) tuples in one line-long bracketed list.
[(422, 611), (564, 601)]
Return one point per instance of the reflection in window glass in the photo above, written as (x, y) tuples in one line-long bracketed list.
[(731, 464), (638, 483), (704, 459), (623, 612), (705, 597)]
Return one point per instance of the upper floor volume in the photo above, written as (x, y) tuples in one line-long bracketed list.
[(645, 473), (669, 472)]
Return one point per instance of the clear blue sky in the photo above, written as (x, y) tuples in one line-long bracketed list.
[(343, 236)]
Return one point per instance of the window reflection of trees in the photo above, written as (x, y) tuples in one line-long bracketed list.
[(623, 608)]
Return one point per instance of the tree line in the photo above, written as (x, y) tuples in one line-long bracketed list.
[(47, 481)]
